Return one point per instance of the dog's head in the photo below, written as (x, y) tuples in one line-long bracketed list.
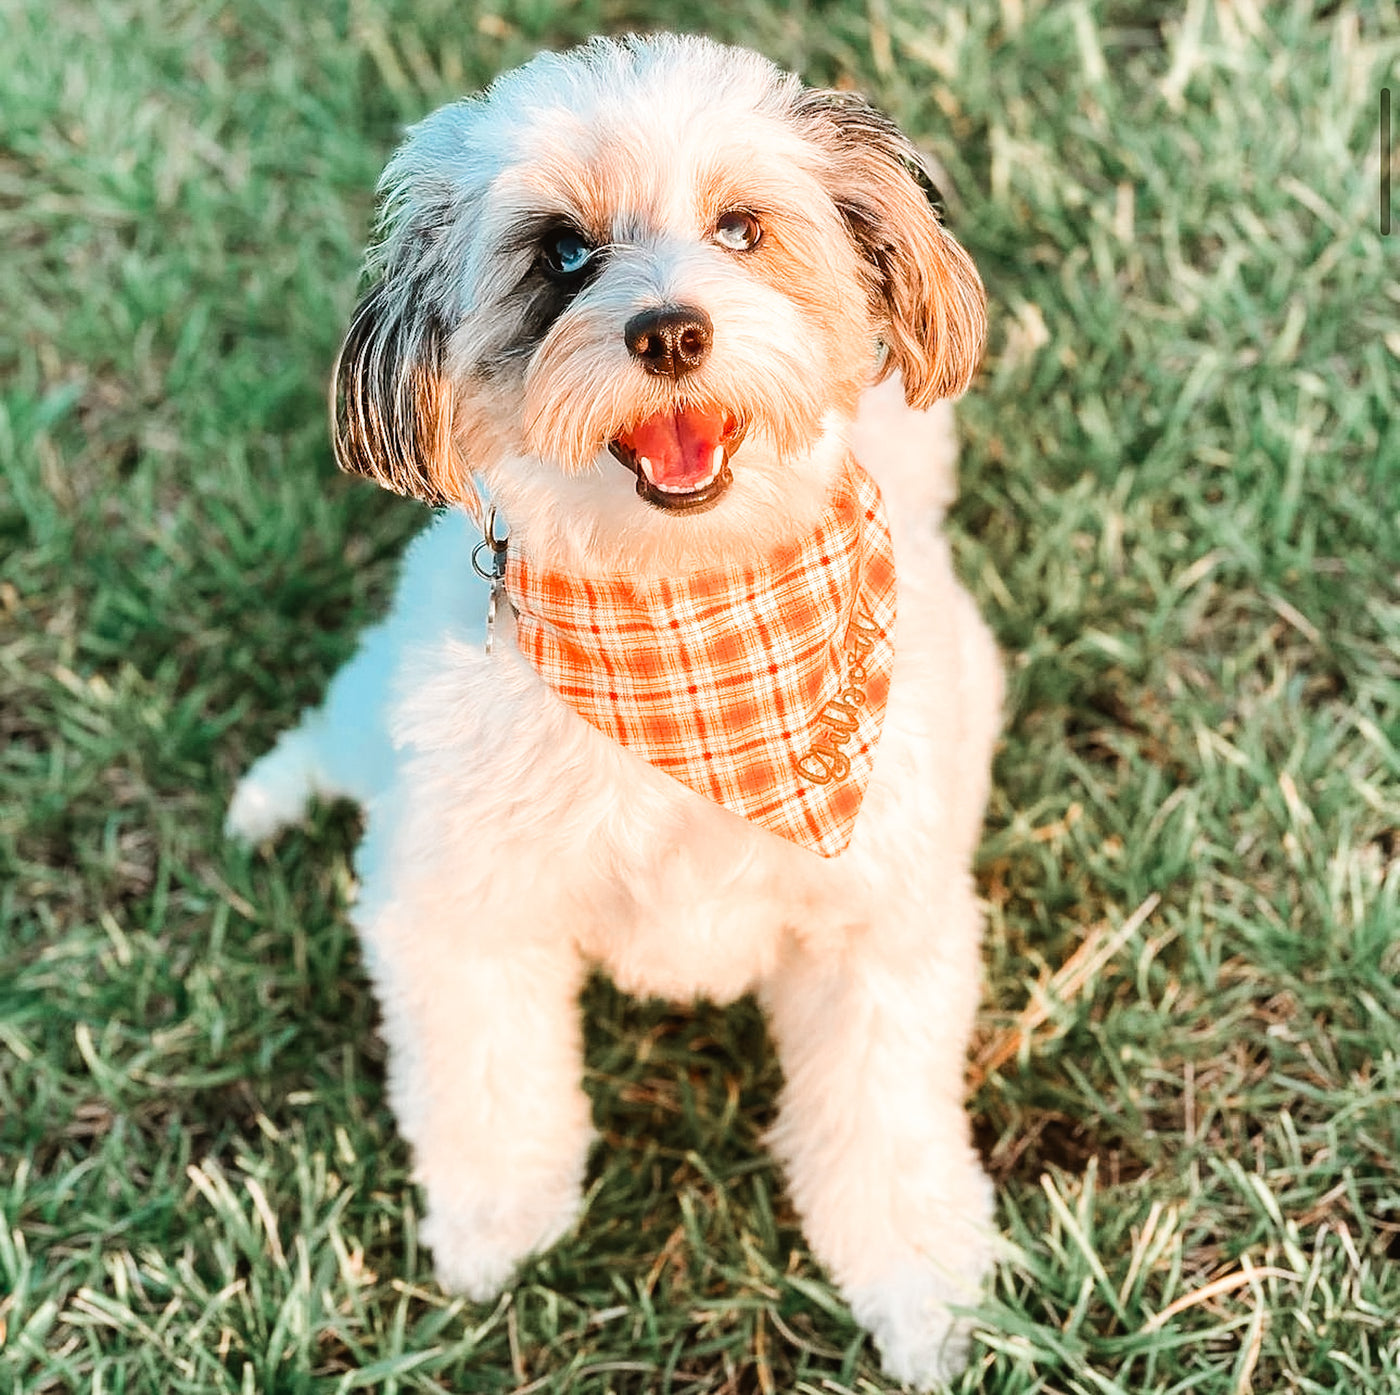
[(639, 287)]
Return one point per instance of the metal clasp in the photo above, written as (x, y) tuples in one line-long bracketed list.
[(496, 576)]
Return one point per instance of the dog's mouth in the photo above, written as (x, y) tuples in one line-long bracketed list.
[(681, 456)]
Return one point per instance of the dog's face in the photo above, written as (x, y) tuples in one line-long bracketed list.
[(639, 288)]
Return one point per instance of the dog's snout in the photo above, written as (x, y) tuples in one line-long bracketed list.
[(671, 341)]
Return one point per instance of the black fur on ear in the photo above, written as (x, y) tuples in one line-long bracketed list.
[(391, 406), (925, 292)]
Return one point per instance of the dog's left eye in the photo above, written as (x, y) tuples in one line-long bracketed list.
[(738, 232), (566, 253)]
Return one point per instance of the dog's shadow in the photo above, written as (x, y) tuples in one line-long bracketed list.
[(681, 1097)]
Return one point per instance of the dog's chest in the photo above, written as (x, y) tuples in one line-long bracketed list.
[(707, 914)]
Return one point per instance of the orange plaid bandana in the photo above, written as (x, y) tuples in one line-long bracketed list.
[(762, 688)]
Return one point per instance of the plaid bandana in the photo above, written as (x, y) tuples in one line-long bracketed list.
[(762, 688)]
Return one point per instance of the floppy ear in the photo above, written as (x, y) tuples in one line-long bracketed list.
[(390, 402), (925, 291)]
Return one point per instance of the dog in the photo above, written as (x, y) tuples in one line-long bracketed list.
[(671, 337)]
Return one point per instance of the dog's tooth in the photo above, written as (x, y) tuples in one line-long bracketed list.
[(717, 460), (646, 468)]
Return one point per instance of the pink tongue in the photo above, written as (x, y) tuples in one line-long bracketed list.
[(679, 445)]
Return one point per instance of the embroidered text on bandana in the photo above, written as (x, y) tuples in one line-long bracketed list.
[(763, 688)]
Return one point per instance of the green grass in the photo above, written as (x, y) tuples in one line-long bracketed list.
[(1181, 488)]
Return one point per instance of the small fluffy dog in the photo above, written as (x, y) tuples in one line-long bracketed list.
[(729, 725)]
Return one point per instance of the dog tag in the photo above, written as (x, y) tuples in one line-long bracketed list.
[(496, 575), (491, 603)]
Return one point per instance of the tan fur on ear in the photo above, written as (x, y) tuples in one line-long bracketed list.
[(390, 404), (925, 291)]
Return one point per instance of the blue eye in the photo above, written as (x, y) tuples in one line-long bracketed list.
[(738, 232), (566, 253)]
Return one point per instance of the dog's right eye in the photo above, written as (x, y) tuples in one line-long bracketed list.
[(566, 252)]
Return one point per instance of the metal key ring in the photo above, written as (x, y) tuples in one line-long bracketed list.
[(491, 530), (498, 548), (476, 564)]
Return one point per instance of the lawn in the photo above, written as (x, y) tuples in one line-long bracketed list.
[(1180, 513)]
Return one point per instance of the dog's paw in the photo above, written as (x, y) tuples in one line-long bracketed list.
[(273, 794), (466, 1266), (253, 813), (477, 1255), (917, 1316)]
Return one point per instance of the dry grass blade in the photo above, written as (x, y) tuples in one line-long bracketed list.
[(1227, 1283)]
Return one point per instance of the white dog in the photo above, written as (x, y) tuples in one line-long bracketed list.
[(653, 298)]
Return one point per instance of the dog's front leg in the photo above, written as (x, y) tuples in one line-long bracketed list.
[(874, 1137), (481, 1014)]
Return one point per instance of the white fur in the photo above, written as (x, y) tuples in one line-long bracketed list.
[(509, 845)]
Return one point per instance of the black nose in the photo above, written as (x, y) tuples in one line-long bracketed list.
[(672, 341)]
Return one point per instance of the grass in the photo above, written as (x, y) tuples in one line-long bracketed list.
[(1181, 485)]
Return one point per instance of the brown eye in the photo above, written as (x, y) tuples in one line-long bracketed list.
[(737, 232)]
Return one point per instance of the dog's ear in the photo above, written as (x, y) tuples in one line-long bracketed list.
[(390, 402), (926, 293)]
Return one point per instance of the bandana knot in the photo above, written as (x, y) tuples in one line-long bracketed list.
[(761, 687)]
